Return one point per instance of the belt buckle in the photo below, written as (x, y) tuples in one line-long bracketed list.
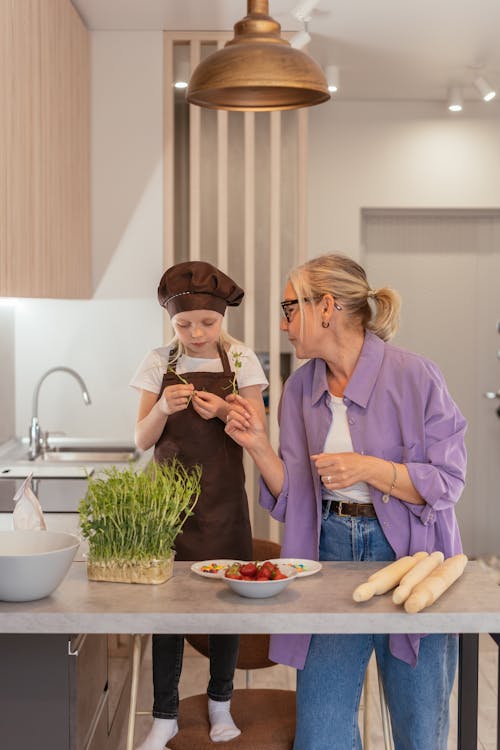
[(342, 515)]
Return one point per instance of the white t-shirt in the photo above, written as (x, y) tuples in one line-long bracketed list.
[(339, 440), (149, 374)]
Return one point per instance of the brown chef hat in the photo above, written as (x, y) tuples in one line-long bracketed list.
[(196, 285)]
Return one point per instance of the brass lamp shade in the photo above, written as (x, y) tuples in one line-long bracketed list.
[(257, 70)]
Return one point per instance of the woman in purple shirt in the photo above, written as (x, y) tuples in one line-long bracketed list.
[(371, 464)]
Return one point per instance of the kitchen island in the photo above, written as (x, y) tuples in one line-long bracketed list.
[(321, 603)]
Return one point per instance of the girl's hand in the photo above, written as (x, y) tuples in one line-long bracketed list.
[(209, 406), (340, 470), (175, 398), (243, 422)]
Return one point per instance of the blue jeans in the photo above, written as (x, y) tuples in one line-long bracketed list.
[(329, 686)]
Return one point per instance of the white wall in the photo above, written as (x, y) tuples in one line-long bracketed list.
[(105, 338), (384, 154), (7, 374)]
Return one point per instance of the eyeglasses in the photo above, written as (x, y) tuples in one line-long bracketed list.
[(288, 306)]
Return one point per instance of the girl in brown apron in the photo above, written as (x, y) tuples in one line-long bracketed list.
[(185, 418)]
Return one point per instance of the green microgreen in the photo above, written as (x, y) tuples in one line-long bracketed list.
[(183, 380), (136, 516), (237, 366)]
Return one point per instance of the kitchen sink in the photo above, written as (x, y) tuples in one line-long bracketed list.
[(66, 451), (84, 453)]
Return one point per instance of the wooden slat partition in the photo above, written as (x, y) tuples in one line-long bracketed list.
[(168, 153), (302, 176), (222, 186), (274, 288), (258, 176), (249, 250), (249, 225), (194, 166)]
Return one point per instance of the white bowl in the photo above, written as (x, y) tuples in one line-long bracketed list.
[(262, 589), (33, 563)]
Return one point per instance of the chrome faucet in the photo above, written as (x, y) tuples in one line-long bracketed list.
[(35, 434)]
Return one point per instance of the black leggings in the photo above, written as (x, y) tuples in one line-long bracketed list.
[(168, 651)]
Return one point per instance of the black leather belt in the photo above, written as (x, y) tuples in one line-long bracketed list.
[(343, 508)]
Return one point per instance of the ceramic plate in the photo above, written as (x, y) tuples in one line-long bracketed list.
[(212, 568), (303, 567)]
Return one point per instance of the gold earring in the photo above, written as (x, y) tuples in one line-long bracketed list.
[(325, 323)]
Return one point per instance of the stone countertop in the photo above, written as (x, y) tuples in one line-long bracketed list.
[(189, 603)]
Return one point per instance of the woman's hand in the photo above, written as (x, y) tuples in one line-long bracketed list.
[(243, 422), (209, 406), (175, 398), (246, 426), (340, 470)]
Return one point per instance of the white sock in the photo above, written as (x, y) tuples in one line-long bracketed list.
[(222, 726), (160, 733)]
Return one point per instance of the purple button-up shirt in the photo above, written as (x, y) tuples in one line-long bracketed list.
[(399, 409)]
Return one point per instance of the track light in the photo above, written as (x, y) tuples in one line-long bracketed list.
[(332, 78), (484, 88), (303, 11), (301, 38), (181, 68), (455, 99)]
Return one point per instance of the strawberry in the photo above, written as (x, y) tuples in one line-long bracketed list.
[(248, 570), (233, 571)]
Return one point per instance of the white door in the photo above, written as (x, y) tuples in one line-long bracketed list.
[(446, 266)]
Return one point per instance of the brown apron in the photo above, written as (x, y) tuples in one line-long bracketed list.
[(220, 526)]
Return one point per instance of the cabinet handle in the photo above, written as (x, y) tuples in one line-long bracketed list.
[(79, 641)]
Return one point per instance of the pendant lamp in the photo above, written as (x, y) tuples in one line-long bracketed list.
[(257, 70)]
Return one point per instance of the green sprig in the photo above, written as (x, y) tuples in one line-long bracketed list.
[(183, 380), (233, 384)]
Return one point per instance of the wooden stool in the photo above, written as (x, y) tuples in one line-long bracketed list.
[(266, 719)]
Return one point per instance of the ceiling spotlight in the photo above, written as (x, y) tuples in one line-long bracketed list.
[(303, 11), (332, 78), (300, 39), (455, 99), (182, 67), (484, 88), (182, 75)]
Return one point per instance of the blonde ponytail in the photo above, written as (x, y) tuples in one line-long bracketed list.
[(385, 321), (343, 278)]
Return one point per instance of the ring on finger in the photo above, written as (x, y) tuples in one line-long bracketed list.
[(328, 479), (228, 417)]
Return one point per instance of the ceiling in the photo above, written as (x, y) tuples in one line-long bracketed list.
[(386, 50)]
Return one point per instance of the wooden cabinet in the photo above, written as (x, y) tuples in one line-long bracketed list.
[(44, 150), (88, 687)]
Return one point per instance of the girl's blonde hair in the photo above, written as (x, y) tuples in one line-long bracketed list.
[(376, 310)]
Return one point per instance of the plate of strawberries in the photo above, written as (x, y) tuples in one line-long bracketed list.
[(258, 580)]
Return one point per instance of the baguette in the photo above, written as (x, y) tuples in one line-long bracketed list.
[(386, 578), (430, 589), (419, 571)]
